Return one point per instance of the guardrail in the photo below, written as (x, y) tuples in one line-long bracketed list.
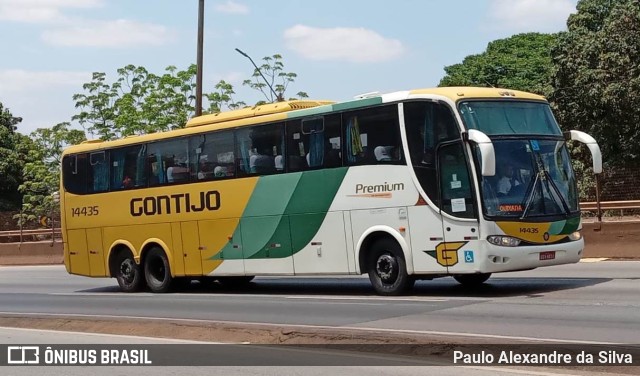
[(610, 205), (30, 235)]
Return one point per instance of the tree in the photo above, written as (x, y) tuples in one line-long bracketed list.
[(223, 97), (41, 173), (14, 153), (138, 102), (273, 71), (597, 76), (521, 62)]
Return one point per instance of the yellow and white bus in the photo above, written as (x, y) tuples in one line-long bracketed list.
[(419, 184)]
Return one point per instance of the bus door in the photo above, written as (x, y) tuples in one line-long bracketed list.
[(458, 211)]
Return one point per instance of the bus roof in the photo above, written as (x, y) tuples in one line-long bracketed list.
[(460, 93), (273, 112)]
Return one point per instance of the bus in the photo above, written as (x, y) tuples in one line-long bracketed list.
[(411, 185)]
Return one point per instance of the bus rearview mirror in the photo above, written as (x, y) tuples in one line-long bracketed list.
[(591, 143), (487, 152)]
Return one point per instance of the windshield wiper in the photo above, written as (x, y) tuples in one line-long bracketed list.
[(544, 176), (567, 211)]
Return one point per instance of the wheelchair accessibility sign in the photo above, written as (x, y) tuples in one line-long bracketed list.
[(468, 257)]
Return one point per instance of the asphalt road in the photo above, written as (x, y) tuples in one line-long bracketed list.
[(596, 302)]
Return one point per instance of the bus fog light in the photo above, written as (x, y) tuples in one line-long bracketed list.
[(575, 236), (503, 241)]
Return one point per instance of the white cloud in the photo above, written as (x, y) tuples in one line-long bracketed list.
[(114, 34), (231, 7), (358, 45), (41, 11), (19, 81), (531, 15)]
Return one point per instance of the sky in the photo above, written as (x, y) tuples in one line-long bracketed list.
[(338, 49)]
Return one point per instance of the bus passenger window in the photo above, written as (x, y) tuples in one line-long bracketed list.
[(372, 136), (257, 149), (211, 156), (128, 167), (314, 143), (74, 173), (98, 172), (168, 162)]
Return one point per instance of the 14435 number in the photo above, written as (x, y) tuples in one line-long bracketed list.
[(85, 211)]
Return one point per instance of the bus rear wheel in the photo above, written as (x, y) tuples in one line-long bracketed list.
[(472, 280), (387, 268), (157, 271), (128, 273)]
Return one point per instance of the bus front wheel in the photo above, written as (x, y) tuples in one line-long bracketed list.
[(387, 268), (128, 273), (472, 280), (157, 271)]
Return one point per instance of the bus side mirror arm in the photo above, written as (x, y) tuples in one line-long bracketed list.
[(591, 143), (487, 152)]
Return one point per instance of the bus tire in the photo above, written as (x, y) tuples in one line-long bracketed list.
[(128, 273), (387, 268), (236, 281), (472, 280), (157, 271)]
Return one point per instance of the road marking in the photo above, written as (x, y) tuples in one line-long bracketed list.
[(303, 326), (593, 259), (380, 298), (500, 370)]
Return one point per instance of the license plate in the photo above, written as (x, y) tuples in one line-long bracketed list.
[(547, 255)]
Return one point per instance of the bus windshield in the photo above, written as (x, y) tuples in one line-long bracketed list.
[(509, 117), (533, 178)]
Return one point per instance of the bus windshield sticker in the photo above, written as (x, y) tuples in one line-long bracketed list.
[(458, 205), (535, 145)]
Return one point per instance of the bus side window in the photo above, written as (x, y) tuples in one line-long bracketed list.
[(372, 136), (211, 156), (128, 167), (74, 173), (314, 143), (98, 172), (168, 162), (257, 149), (297, 146)]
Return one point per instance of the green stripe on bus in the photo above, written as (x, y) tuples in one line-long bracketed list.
[(286, 225), (571, 226), (357, 104)]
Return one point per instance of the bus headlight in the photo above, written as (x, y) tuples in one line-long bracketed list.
[(575, 236), (503, 241)]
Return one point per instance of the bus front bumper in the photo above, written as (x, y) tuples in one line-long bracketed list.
[(504, 259)]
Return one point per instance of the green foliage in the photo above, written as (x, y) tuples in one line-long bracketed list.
[(41, 172), (273, 71), (223, 97), (521, 62), (7, 120), (597, 76), (14, 153), (138, 102)]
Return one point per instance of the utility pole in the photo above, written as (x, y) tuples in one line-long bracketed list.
[(199, 58)]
